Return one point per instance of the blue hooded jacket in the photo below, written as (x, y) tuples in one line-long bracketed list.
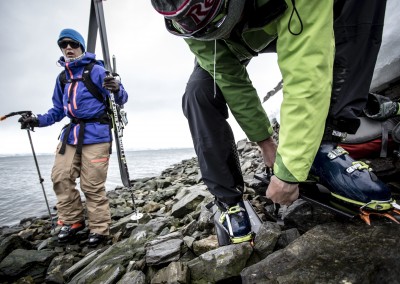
[(75, 101)]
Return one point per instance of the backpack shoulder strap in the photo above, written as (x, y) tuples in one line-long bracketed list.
[(63, 79), (87, 80)]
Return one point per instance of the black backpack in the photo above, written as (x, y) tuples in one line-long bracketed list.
[(87, 80)]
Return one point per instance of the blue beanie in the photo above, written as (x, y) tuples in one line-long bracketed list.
[(72, 34)]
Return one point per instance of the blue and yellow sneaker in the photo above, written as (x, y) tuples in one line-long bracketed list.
[(236, 222), (349, 180)]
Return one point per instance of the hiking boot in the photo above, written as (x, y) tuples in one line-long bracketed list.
[(67, 232), (237, 223), (95, 239), (349, 180)]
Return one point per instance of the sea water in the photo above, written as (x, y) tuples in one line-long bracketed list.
[(21, 192)]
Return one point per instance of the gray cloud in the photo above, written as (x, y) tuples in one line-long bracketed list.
[(154, 67)]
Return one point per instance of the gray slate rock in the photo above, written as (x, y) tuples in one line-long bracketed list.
[(21, 262), (219, 264), (174, 273), (187, 203), (11, 243), (133, 277), (333, 253)]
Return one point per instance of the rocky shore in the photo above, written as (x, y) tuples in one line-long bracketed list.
[(175, 240)]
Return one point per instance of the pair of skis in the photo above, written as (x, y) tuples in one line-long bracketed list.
[(97, 23)]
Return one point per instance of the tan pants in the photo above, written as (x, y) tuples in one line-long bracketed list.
[(91, 167)]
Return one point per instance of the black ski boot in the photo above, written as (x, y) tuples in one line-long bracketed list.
[(236, 222), (95, 239), (68, 232), (349, 180)]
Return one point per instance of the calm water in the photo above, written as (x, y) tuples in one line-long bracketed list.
[(21, 194)]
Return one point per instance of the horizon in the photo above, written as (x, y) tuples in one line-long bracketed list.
[(4, 155)]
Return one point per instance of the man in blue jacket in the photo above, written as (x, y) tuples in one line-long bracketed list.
[(85, 143)]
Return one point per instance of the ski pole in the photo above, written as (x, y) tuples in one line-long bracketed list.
[(41, 180), (29, 128)]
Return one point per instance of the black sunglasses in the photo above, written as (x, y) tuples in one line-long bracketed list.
[(65, 43)]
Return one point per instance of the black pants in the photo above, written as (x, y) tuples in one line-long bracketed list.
[(213, 138), (358, 29)]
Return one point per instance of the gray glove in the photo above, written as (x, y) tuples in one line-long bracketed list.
[(380, 107), (111, 83)]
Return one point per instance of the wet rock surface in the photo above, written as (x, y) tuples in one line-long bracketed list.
[(175, 240)]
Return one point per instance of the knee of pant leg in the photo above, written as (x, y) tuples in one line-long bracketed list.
[(59, 174), (95, 172), (196, 93), (202, 95), (65, 168)]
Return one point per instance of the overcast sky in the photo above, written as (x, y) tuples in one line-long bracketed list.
[(153, 64)]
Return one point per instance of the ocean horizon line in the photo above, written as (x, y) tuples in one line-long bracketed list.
[(4, 155)]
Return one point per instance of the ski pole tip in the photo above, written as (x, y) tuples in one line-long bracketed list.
[(136, 216)]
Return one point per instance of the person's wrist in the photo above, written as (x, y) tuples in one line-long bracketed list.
[(267, 140), (288, 182)]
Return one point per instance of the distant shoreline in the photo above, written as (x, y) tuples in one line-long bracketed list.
[(7, 155)]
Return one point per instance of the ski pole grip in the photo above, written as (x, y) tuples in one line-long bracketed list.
[(114, 64)]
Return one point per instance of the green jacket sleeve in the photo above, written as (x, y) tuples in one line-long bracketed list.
[(306, 64), (305, 61), (233, 80)]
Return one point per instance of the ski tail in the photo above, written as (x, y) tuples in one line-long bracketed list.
[(122, 163), (118, 125)]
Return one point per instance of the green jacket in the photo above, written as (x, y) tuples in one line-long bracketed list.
[(305, 62)]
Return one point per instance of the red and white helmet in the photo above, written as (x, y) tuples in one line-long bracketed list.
[(200, 19)]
